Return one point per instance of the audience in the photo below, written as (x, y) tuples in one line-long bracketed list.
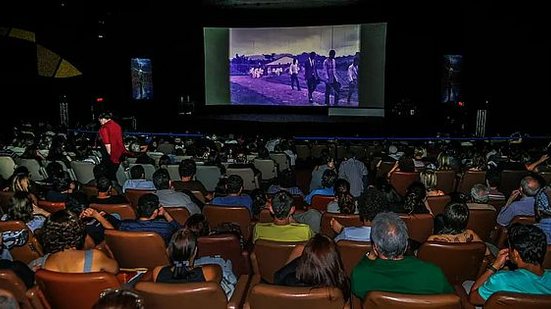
[(344, 202), (234, 197), (137, 180), (20, 208), (327, 182), (187, 170), (170, 198), (529, 186), (104, 193)]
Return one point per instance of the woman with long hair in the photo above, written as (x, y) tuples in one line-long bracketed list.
[(20, 208)]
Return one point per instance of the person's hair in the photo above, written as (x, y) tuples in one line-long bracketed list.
[(456, 216), (235, 184), (137, 172), (263, 153), (181, 249), (22, 170), (119, 299), (62, 182), (328, 178), (406, 164), (529, 241), (165, 160), (105, 115), (415, 197), (8, 301), (147, 204), (480, 193), (444, 161), (20, 207), (312, 54), (161, 179), (320, 265), (282, 204), (260, 199), (77, 202), (100, 170), (342, 186), (527, 185), (346, 202), (62, 230), (287, 179), (103, 184), (198, 224), (332, 53), (187, 168), (429, 179), (17, 183), (389, 234), (371, 203)]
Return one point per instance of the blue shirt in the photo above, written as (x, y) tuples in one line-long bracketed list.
[(523, 207), (293, 190), (545, 226), (355, 233), (323, 191), (242, 200), (138, 184), (161, 227), (518, 281)]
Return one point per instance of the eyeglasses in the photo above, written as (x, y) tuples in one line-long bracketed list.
[(116, 293)]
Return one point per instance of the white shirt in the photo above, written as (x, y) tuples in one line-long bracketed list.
[(294, 68), (352, 73)]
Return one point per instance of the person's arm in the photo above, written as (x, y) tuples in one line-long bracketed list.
[(92, 213), (532, 166), (506, 213), (297, 252), (474, 296)]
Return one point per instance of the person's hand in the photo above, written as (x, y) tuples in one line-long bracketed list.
[(514, 195), (89, 213), (502, 257), (543, 158), (161, 211)]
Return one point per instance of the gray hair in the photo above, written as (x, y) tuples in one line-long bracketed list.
[(480, 193), (389, 234), (8, 301), (529, 185)]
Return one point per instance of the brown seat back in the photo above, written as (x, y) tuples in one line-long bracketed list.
[(298, 201), (180, 214), (547, 261), (31, 250), (498, 204), (10, 282), (384, 168), (137, 249), (265, 216), (320, 202), (401, 181), (265, 296), (420, 226), (458, 261), (123, 211), (174, 296), (89, 190), (438, 203), (502, 300), (502, 231), (5, 197), (469, 179), (269, 256), (133, 195), (352, 252), (445, 181), (510, 180), (51, 207), (74, 290), (228, 247), (387, 300), (482, 222), (241, 216), (345, 220)]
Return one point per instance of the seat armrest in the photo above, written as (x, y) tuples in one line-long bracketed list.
[(239, 293), (37, 298)]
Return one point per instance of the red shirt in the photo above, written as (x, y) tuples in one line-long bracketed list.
[(111, 133)]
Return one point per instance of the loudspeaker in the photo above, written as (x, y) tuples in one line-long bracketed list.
[(186, 106)]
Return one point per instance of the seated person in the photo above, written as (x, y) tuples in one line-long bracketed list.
[(493, 180), (322, 164), (63, 237), (170, 198), (344, 202), (370, 203), (182, 250), (62, 186), (527, 247), (20, 208), (287, 180), (316, 264), (234, 187), (429, 179), (543, 211), (327, 182), (187, 170), (529, 186), (415, 201), (480, 196), (152, 217), (137, 180), (104, 194), (20, 269), (259, 202), (283, 228), (386, 268)]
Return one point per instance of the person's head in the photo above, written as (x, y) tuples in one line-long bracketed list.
[(105, 117), (161, 179), (20, 207), (20, 182), (62, 183), (529, 186), (294, 60), (119, 299), (235, 184), (282, 205), (389, 235), (346, 202), (429, 179), (542, 204), (62, 230), (287, 179), (480, 193), (137, 172), (342, 186), (165, 160), (100, 170), (260, 199), (147, 205), (406, 164), (493, 178), (444, 161), (77, 202), (415, 196), (371, 203), (456, 216), (312, 55), (332, 54), (320, 265), (104, 185), (527, 244), (8, 300), (198, 224), (187, 168), (328, 178), (181, 251)]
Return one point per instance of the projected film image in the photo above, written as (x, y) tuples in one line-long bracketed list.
[(299, 66), (142, 83)]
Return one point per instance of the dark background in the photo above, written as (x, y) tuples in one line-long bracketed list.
[(505, 47)]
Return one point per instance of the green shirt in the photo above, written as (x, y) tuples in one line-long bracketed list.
[(406, 276)]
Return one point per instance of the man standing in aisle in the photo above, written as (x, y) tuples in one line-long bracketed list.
[(110, 133)]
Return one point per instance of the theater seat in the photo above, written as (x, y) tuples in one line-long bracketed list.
[(320, 202), (502, 300), (241, 216), (387, 300), (13, 284), (345, 220), (137, 249), (269, 256), (122, 211), (28, 252), (228, 247), (51, 207), (352, 252), (266, 296)]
